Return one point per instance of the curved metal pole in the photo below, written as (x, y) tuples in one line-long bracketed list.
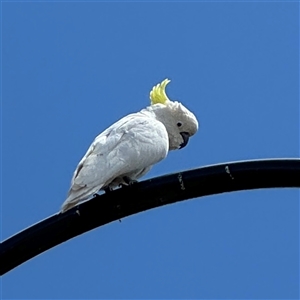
[(120, 203)]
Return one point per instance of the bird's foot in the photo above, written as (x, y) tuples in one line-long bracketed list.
[(127, 181), (107, 189)]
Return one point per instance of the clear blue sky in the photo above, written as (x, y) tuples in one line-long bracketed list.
[(71, 69)]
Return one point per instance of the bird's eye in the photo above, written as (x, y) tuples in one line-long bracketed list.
[(179, 124)]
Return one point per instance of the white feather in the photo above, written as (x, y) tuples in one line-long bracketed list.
[(127, 148)]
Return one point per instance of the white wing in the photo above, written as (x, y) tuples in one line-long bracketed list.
[(132, 144)]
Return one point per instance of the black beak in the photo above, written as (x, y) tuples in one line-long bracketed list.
[(185, 137)]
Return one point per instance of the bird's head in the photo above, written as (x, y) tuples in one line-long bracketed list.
[(180, 123)]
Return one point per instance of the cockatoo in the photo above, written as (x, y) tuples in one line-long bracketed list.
[(129, 148)]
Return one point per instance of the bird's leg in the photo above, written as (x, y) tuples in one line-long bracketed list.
[(107, 189), (129, 181)]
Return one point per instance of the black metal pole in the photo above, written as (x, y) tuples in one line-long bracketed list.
[(120, 203)]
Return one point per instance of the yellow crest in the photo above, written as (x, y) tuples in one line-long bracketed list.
[(158, 93)]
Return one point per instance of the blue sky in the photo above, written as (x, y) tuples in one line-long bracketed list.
[(71, 69)]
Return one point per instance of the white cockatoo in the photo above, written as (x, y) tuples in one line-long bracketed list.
[(130, 147)]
